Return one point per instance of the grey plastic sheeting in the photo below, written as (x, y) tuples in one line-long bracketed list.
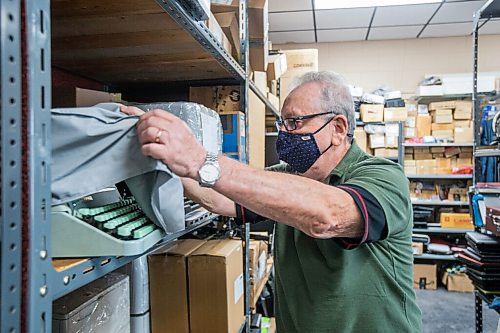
[(97, 147)]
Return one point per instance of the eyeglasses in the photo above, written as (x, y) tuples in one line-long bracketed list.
[(291, 123)]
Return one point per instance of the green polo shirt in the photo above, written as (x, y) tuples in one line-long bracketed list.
[(322, 287)]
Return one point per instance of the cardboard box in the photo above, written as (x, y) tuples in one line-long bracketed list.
[(442, 105), (377, 141), (395, 114), (410, 163), (273, 87), (276, 67), (462, 123), (227, 99), (464, 135), (457, 282), (391, 141), (304, 60), (451, 151), (418, 248), (234, 136), (409, 170), (258, 17), (206, 96), (462, 115), (437, 150), (426, 167), (216, 287), (361, 138), (464, 162), (168, 284), (458, 194), (455, 220), (443, 134), (371, 113), (465, 155), (442, 127), (442, 116), (443, 165), (218, 33), (259, 53), (424, 276), (423, 125), (79, 97), (408, 157), (422, 156), (411, 121), (229, 24), (410, 132)]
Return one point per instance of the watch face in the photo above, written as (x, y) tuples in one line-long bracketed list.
[(209, 173)]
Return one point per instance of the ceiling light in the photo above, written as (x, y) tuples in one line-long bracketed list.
[(336, 4)]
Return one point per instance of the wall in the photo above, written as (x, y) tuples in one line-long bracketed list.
[(402, 64)]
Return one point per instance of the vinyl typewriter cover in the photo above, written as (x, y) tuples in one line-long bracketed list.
[(97, 147)]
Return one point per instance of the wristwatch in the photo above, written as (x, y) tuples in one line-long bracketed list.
[(209, 172)]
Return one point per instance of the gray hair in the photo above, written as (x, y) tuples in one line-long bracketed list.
[(336, 95)]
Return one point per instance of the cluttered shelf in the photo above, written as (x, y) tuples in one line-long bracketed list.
[(442, 176), (418, 145), (436, 230), (72, 273), (116, 42), (424, 202), (442, 257), (487, 152)]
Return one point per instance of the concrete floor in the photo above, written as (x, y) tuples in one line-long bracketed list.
[(444, 311)]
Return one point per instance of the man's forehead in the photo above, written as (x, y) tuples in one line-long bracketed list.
[(302, 101)]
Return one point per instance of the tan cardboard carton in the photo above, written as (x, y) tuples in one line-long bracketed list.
[(371, 113)]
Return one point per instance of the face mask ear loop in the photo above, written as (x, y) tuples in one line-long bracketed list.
[(324, 151), (324, 125)]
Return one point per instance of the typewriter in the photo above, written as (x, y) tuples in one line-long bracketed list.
[(110, 222)]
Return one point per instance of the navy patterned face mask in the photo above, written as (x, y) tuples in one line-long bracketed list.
[(300, 151)]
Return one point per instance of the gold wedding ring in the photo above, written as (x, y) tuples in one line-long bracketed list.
[(158, 135)]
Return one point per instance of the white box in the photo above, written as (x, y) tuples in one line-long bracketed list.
[(430, 91)]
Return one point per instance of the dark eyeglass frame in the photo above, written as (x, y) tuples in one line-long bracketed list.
[(293, 125)]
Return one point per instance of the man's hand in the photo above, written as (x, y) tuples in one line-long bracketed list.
[(167, 138)]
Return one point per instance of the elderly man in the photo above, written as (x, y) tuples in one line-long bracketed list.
[(343, 239)]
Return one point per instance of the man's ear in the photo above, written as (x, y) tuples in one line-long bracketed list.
[(340, 129)]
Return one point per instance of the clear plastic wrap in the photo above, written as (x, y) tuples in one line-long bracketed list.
[(203, 122), (100, 307)]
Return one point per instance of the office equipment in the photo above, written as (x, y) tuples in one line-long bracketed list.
[(109, 224)]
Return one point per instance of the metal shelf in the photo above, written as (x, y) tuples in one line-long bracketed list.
[(423, 145), (430, 99), (439, 176), (443, 257), (487, 152), (439, 202), (79, 275), (441, 230)]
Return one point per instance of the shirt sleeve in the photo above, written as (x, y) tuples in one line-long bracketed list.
[(374, 220), (382, 188)]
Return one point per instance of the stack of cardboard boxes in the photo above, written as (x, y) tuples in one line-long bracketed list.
[(197, 285), (386, 143), (448, 121), (436, 160), (226, 101)]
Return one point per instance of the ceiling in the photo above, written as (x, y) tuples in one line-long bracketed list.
[(295, 21)]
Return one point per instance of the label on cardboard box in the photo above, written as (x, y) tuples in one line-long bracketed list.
[(262, 265), (238, 288), (410, 132), (377, 141), (411, 121)]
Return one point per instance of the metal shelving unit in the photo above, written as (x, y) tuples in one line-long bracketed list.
[(422, 145), (25, 229), (490, 9), (439, 202), (487, 152), (439, 176), (442, 257), (440, 230)]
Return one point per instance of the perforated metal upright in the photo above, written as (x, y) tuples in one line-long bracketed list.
[(36, 187), (11, 147)]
